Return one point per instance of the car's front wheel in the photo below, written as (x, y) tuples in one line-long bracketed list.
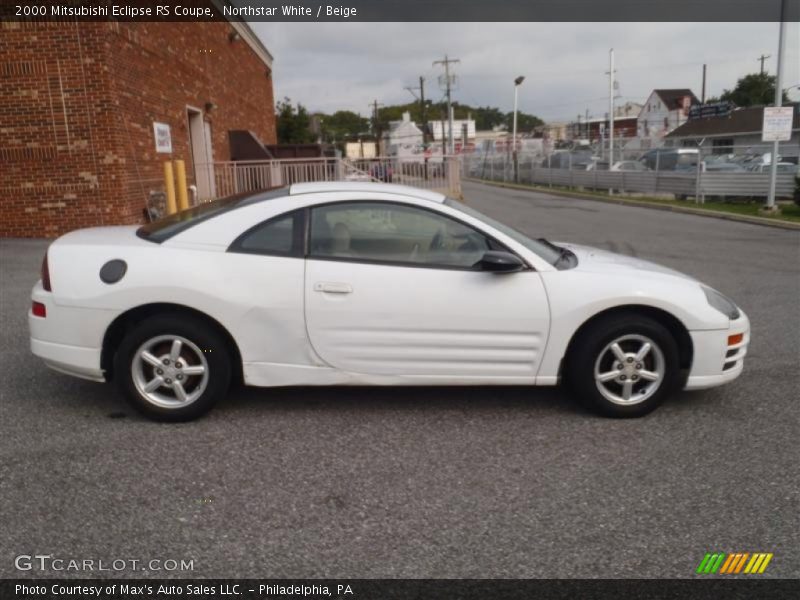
[(624, 366), (173, 367)]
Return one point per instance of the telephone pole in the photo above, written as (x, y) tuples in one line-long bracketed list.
[(376, 125), (610, 108), (422, 108), (424, 112), (448, 83), (703, 94), (761, 59)]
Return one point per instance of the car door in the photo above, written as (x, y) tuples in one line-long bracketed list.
[(391, 289)]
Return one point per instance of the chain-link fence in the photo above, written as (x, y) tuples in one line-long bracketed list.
[(709, 170)]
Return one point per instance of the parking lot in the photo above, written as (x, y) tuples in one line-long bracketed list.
[(445, 483)]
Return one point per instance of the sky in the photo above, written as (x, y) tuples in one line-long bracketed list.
[(332, 66)]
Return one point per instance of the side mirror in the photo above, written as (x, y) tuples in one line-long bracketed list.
[(496, 261)]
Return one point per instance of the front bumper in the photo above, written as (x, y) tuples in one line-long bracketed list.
[(715, 362)]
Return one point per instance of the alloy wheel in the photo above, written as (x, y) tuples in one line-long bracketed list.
[(170, 371), (629, 370)]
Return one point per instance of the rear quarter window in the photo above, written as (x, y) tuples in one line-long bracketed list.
[(171, 225)]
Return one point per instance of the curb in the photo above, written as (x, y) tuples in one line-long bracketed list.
[(716, 214)]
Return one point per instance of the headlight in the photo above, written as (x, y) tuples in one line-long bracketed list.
[(722, 303)]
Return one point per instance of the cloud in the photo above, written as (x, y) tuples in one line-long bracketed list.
[(330, 66)]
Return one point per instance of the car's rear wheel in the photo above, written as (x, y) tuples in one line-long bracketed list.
[(173, 367), (624, 366)]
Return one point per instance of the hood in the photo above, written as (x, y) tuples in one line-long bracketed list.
[(602, 261)]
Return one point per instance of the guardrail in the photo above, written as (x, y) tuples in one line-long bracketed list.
[(233, 177), (681, 184)]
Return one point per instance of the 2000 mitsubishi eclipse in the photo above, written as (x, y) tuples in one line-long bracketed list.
[(368, 283)]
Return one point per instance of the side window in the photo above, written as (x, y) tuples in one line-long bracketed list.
[(279, 236), (385, 232)]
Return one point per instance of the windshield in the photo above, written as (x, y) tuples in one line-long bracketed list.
[(550, 253), (168, 226)]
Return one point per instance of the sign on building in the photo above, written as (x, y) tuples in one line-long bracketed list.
[(777, 123), (715, 109), (163, 137)]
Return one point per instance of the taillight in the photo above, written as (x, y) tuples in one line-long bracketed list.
[(39, 310), (46, 274)]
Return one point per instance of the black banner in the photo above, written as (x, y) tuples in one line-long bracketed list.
[(404, 10), (398, 589)]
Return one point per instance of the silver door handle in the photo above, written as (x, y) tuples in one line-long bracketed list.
[(333, 288)]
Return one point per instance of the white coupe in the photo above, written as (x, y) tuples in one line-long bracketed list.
[(369, 284)]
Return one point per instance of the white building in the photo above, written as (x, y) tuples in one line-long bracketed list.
[(664, 111), (437, 127), (404, 138)]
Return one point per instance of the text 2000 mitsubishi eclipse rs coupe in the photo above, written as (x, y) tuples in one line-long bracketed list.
[(369, 284)]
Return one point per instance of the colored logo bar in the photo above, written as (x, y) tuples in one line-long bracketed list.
[(734, 563)]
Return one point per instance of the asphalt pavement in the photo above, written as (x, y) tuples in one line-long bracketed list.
[(436, 482)]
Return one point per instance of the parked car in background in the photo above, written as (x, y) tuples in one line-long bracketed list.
[(723, 167), (783, 167), (357, 176), (579, 160), (629, 165), (670, 159), (382, 172), (597, 165)]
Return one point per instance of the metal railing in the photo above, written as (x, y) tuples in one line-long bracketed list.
[(233, 177)]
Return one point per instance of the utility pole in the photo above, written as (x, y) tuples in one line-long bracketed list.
[(424, 111), (517, 82), (586, 125), (703, 94), (422, 108), (448, 83), (610, 108), (761, 59), (773, 167), (444, 140), (376, 127)]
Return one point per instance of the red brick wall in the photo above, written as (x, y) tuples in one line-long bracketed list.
[(77, 106)]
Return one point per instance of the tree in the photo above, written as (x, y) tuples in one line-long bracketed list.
[(344, 124), (487, 117), (293, 123), (755, 89), (525, 122)]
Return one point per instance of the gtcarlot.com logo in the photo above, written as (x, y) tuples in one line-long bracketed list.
[(48, 562), (734, 563)]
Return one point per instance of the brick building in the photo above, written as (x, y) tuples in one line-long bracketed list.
[(78, 106)]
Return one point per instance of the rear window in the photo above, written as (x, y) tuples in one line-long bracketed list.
[(166, 227)]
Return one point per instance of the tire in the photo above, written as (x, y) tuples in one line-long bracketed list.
[(593, 355), (186, 388)]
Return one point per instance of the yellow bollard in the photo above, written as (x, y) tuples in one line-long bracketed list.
[(169, 186), (180, 181)]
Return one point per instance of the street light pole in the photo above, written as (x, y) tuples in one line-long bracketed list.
[(517, 83), (610, 108), (773, 167)]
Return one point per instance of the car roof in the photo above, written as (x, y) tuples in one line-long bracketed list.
[(365, 187)]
